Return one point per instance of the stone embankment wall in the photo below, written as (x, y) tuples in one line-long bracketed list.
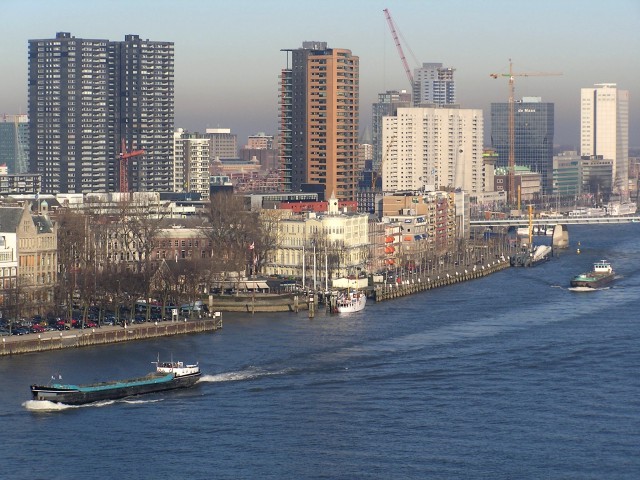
[(391, 291), (259, 302), (101, 336)]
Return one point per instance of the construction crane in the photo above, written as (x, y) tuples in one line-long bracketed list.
[(511, 193), (124, 165), (398, 46)]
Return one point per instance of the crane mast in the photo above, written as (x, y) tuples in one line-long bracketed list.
[(392, 27), (511, 193), (124, 165)]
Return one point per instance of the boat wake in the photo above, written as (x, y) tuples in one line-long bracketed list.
[(47, 406), (137, 402), (586, 289), (250, 373)]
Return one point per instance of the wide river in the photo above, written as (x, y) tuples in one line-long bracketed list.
[(511, 376)]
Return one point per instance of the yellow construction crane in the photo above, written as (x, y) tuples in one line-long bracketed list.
[(511, 193)]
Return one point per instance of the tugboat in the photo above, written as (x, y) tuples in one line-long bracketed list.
[(601, 275), (168, 376)]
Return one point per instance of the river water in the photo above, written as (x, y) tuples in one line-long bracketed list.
[(509, 376)]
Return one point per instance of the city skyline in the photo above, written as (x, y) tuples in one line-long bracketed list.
[(228, 58)]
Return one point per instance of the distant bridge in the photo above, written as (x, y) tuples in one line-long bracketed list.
[(524, 222)]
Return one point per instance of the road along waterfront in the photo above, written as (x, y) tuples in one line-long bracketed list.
[(508, 376)]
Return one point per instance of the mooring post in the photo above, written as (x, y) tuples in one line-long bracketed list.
[(311, 305)]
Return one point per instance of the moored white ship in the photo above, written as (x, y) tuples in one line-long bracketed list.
[(352, 301)]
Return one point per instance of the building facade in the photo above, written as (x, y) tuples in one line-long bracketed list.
[(259, 141), (337, 243), (433, 85), (426, 225), (319, 103), (604, 130), (24, 183), (387, 105), (596, 174), (224, 144), (528, 184), (14, 143), (534, 129), (30, 246), (433, 149), (191, 156), (88, 97), (566, 174)]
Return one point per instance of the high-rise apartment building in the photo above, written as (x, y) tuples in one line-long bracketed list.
[(604, 130), (14, 143), (86, 97), (319, 101), (191, 158), (387, 105), (533, 143), (433, 85), (433, 149)]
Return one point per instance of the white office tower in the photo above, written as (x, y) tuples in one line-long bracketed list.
[(433, 149), (604, 130)]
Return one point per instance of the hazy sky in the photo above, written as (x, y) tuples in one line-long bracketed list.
[(227, 53)]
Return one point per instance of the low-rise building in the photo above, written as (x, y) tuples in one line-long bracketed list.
[(29, 259), (528, 185)]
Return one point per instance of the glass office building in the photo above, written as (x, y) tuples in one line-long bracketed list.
[(534, 127)]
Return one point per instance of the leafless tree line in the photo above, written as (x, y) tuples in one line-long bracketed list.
[(106, 258)]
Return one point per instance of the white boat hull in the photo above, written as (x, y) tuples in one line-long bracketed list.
[(353, 302)]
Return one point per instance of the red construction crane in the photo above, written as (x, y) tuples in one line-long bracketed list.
[(398, 46), (511, 198), (124, 165)]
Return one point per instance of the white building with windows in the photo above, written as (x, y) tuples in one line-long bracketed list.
[(604, 130), (191, 154), (433, 84), (433, 149), (340, 242)]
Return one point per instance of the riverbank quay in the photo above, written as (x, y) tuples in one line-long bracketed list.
[(258, 302), (422, 283), (12, 345)]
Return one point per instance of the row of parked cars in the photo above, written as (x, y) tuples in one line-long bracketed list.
[(96, 318), (22, 327)]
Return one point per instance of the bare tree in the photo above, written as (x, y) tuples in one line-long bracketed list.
[(231, 231), (71, 255), (138, 230)]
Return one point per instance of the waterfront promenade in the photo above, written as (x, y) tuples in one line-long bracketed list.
[(420, 283), (74, 338)]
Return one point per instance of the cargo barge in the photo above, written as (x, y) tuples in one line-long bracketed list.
[(168, 376)]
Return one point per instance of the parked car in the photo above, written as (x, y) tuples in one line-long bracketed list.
[(37, 328), (20, 331)]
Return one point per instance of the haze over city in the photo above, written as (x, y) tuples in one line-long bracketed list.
[(228, 53)]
